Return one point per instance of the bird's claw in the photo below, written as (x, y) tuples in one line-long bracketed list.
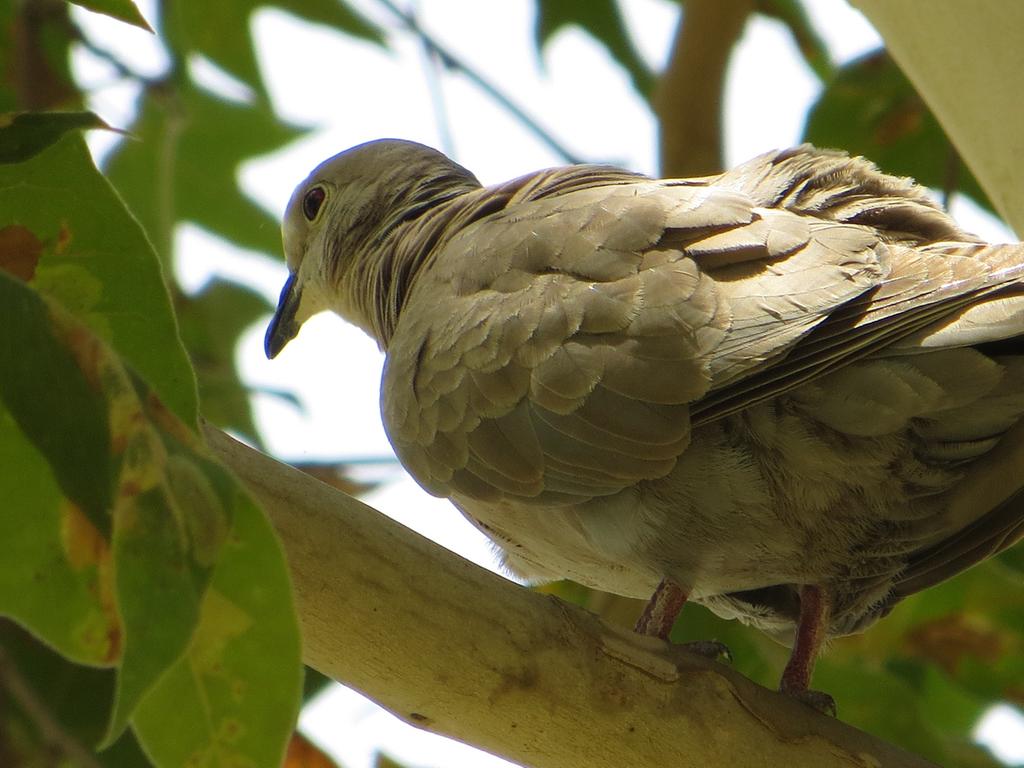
[(710, 649), (817, 700)]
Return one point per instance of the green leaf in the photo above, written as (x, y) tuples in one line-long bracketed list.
[(149, 575), (972, 628), (313, 683), (386, 761), (212, 321), (96, 262), (160, 586), (199, 27), (871, 109), (122, 10), (50, 398), (60, 583), (233, 698), (603, 21), (27, 134), (903, 715), (810, 44), (139, 598), (947, 654), (338, 14), (77, 696), (206, 139), (173, 518)]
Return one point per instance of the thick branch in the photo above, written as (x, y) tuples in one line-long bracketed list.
[(457, 650), (38, 83), (688, 99)]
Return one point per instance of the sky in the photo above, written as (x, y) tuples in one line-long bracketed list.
[(352, 92)]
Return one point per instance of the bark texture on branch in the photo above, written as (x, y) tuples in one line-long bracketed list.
[(688, 98), (457, 650)]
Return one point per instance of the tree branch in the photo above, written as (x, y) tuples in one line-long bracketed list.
[(451, 61), (457, 650), (32, 71), (688, 98), (976, 98)]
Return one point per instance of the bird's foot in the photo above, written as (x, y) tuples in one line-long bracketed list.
[(811, 629), (709, 649), (817, 700)]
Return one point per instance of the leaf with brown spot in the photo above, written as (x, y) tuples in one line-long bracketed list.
[(98, 264), (83, 544), (146, 602), (88, 553), (20, 250), (56, 581), (222, 699)]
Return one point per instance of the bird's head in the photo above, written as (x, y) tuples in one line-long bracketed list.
[(337, 226)]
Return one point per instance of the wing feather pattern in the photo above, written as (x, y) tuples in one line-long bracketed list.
[(596, 320)]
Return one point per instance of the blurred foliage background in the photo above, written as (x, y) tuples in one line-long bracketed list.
[(922, 678)]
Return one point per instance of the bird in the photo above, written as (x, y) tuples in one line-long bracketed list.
[(791, 392)]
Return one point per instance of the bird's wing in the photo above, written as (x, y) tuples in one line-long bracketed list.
[(995, 531), (553, 350), (562, 347), (937, 296), (953, 292), (942, 288)]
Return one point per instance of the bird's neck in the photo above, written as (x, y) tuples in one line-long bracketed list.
[(411, 237), (409, 245)]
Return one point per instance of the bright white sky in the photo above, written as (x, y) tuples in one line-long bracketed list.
[(353, 92)]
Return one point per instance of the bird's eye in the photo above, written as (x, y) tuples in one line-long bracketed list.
[(312, 201)]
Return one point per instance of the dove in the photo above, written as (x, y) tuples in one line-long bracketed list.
[(792, 392)]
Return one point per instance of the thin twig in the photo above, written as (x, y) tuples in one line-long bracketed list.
[(451, 61), (123, 70), (37, 711), (434, 86)]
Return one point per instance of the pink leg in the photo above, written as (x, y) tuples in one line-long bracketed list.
[(662, 609), (811, 630), (661, 613)]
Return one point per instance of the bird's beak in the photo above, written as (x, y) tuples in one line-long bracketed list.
[(283, 326)]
